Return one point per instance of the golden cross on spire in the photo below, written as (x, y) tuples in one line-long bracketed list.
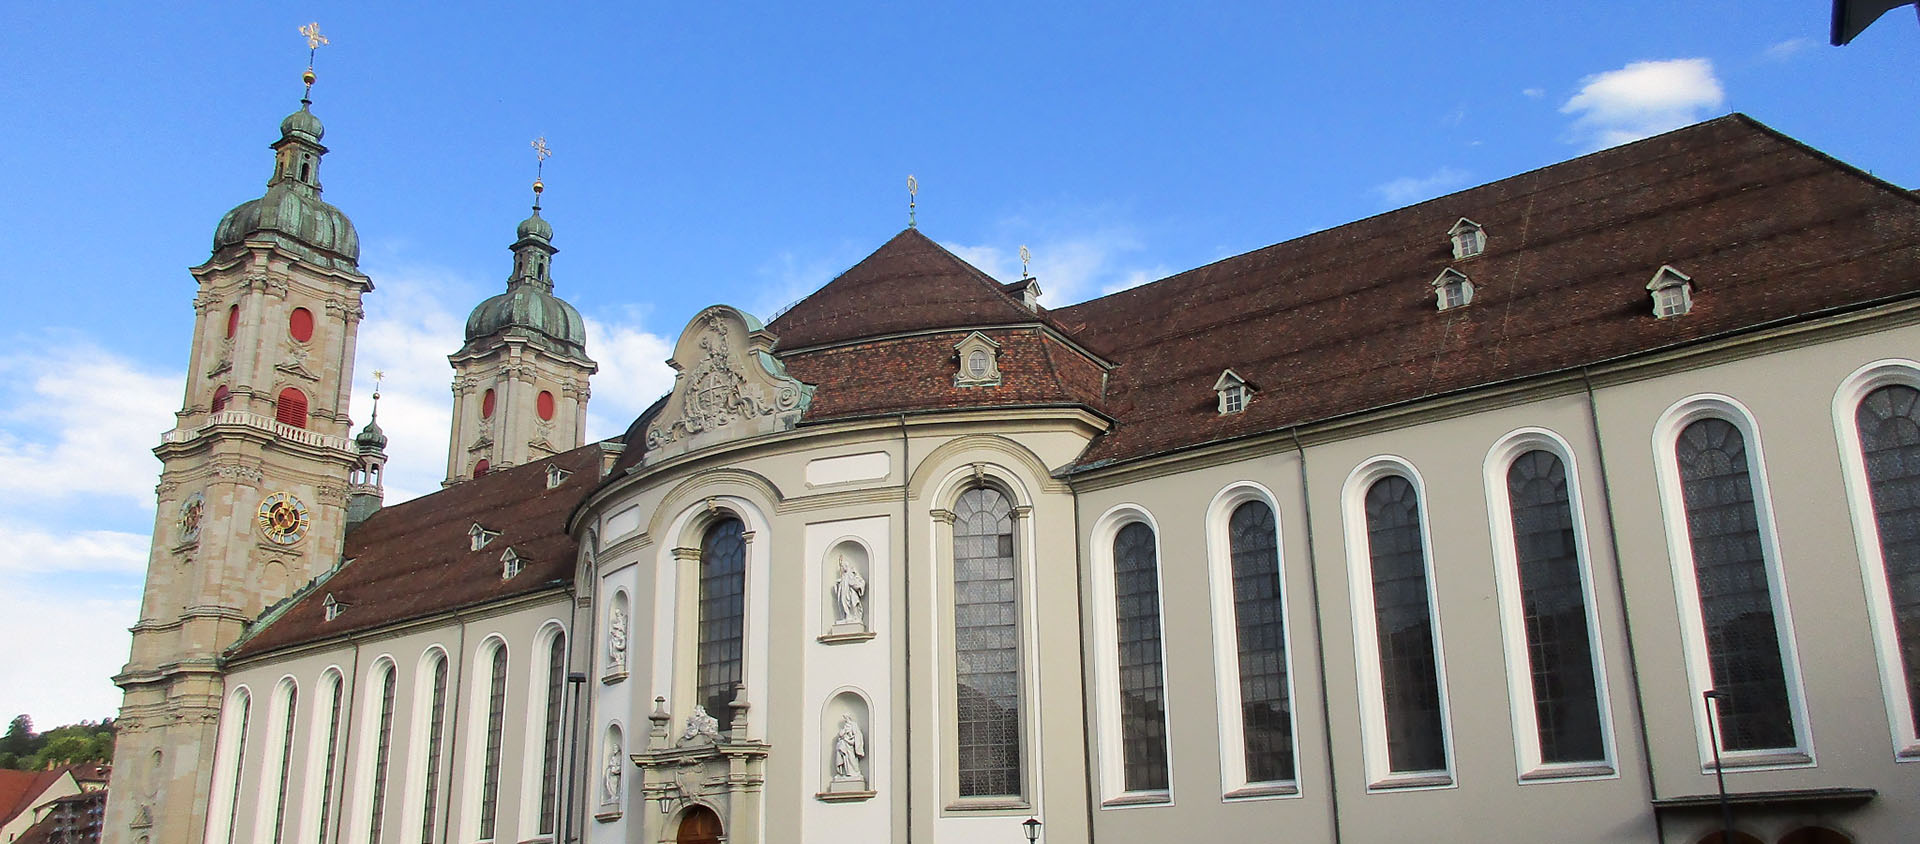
[(314, 40), (1025, 258), (541, 152), (913, 190)]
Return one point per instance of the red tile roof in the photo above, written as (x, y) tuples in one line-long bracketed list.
[(21, 790)]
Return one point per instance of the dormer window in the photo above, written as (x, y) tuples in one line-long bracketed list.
[(1469, 239), (1233, 392), (332, 607), (556, 476), (979, 358), (510, 565), (1452, 289), (1672, 293), (480, 536)]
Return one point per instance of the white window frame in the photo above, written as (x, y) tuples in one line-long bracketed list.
[(1450, 280), (1469, 239), (1373, 722), (533, 752), (474, 734), (331, 677), (1226, 646), (365, 757), (1866, 531), (1513, 629), (1666, 433), (286, 692), (1110, 749), (414, 787), (229, 767)]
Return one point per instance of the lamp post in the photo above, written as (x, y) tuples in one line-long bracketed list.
[(1711, 697), (1032, 828)]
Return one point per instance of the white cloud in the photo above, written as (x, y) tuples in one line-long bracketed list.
[(1641, 100), (1533, 93), (1787, 49), (79, 639), (1071, 268), (1409, 189), (633, 373), (415, 318), (39, 551), (81, 421)]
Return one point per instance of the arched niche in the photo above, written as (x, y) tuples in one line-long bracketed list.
[(610, 777), (846, 747), (619, 638), (846, 602)]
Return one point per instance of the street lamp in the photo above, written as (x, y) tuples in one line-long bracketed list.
[(1032, 826), (1711, 696)]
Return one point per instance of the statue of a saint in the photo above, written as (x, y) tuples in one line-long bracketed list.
[(617, 640), (850, 591), (849, 747), (701, 725), (610, 783)]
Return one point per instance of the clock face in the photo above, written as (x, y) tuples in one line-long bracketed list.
[(283, 519), (191, 511)]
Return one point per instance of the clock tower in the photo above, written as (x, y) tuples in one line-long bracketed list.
[(254, 481)]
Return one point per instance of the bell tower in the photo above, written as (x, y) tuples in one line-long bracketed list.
[(520, 380), (254, 479)]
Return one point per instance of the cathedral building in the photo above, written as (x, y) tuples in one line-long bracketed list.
[(1531, 512)]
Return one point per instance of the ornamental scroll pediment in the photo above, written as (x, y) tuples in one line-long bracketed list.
[(727, 386)]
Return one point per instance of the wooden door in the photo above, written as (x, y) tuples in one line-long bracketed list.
[(699, 826)]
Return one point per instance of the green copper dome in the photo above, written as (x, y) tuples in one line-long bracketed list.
[(292, 215), (304, 124), (527, 309), (534, 226), (371, 438)]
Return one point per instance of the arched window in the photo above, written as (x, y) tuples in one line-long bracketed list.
[(719, 655), (1559, 645), (496, 725), (1888, 423), (986, 645), (1142, 675), (1731, 573), (382, 752), (1266, 714), (221, 395), (1412, 721), (550, 738), (230, 767), (291, 408), (291, 703), (436, 732), (328, 751), (481, 468)]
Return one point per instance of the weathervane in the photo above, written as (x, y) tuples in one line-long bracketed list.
[(540, 155), (377, 375), (913, 188), (314, 40), (1025, 258)]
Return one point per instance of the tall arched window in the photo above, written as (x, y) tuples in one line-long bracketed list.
[(230, 769), (550, 737), (1411, 717), (496, 725), (1266, 714), (722, 623), (1888, 423), (436, 732), (291, 703), (1561, 663), (986, 645), (328, 751), (382, 751), (1731, 573), (1142, 674)]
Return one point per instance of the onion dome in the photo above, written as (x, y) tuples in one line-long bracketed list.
[(371, 438), (291, 215), (528, 308)]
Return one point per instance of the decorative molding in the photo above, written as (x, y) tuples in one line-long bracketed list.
[(978, 361), (728, 386)]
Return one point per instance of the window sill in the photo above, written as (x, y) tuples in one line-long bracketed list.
[(1761, 759), (989, 804), (1910, 753), (844, 796), (1411, 781), (842, 638), (1159, 797), (1257, 791), (1567, 771)]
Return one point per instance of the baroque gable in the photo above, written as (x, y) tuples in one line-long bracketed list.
[(727, 386)]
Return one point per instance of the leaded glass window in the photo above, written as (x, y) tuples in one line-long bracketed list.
[(382, 755), (1266, 715), (1143, 704), (1403, 627), (496, 722), (1736, 597), (986, 645), (436, 730), (239, 767), (723, 610), (326, 771), (550, 740), (1553, 610), (1889, 422), (286, 766)]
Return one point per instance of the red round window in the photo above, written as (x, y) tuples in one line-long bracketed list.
[(486, 405), (481, 467), (220, 397), (544, 406), (300, 324), (291, 408), (233, 319)]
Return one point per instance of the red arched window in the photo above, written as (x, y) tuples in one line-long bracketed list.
[(233, 320), (486, 404), (220, 397), (544, 406), (481, 467), (291, 408), (300, 324)]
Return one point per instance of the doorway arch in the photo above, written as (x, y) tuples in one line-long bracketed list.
[(698, 825)]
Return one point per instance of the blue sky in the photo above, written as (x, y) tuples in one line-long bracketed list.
[(746, 153)]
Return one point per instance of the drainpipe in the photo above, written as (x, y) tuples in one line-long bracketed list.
[(906, 628), (1319, 637)]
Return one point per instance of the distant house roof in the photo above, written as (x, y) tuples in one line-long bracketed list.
[(21, 791)]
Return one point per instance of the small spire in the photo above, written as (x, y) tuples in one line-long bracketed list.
[(1025, 259), (540, 155), (314, 41), (913, 190), (377, 375)]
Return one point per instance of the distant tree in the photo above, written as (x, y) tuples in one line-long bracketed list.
[(19, 739)]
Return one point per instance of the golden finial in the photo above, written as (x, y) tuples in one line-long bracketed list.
[(314, 40), (1025, 258), (377, 375), (913, 189), (540, 155)]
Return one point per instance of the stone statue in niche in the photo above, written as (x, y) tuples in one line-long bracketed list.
[(700, 725), (849, 747), (850, 593), (610, 782), (617, 641)]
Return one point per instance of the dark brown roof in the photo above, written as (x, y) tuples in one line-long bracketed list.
[(909, 284), (1344, 320), (414, 559), (915, 373)]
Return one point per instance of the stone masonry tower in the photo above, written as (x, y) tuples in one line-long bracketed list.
[(254, 479), (520, 381)]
